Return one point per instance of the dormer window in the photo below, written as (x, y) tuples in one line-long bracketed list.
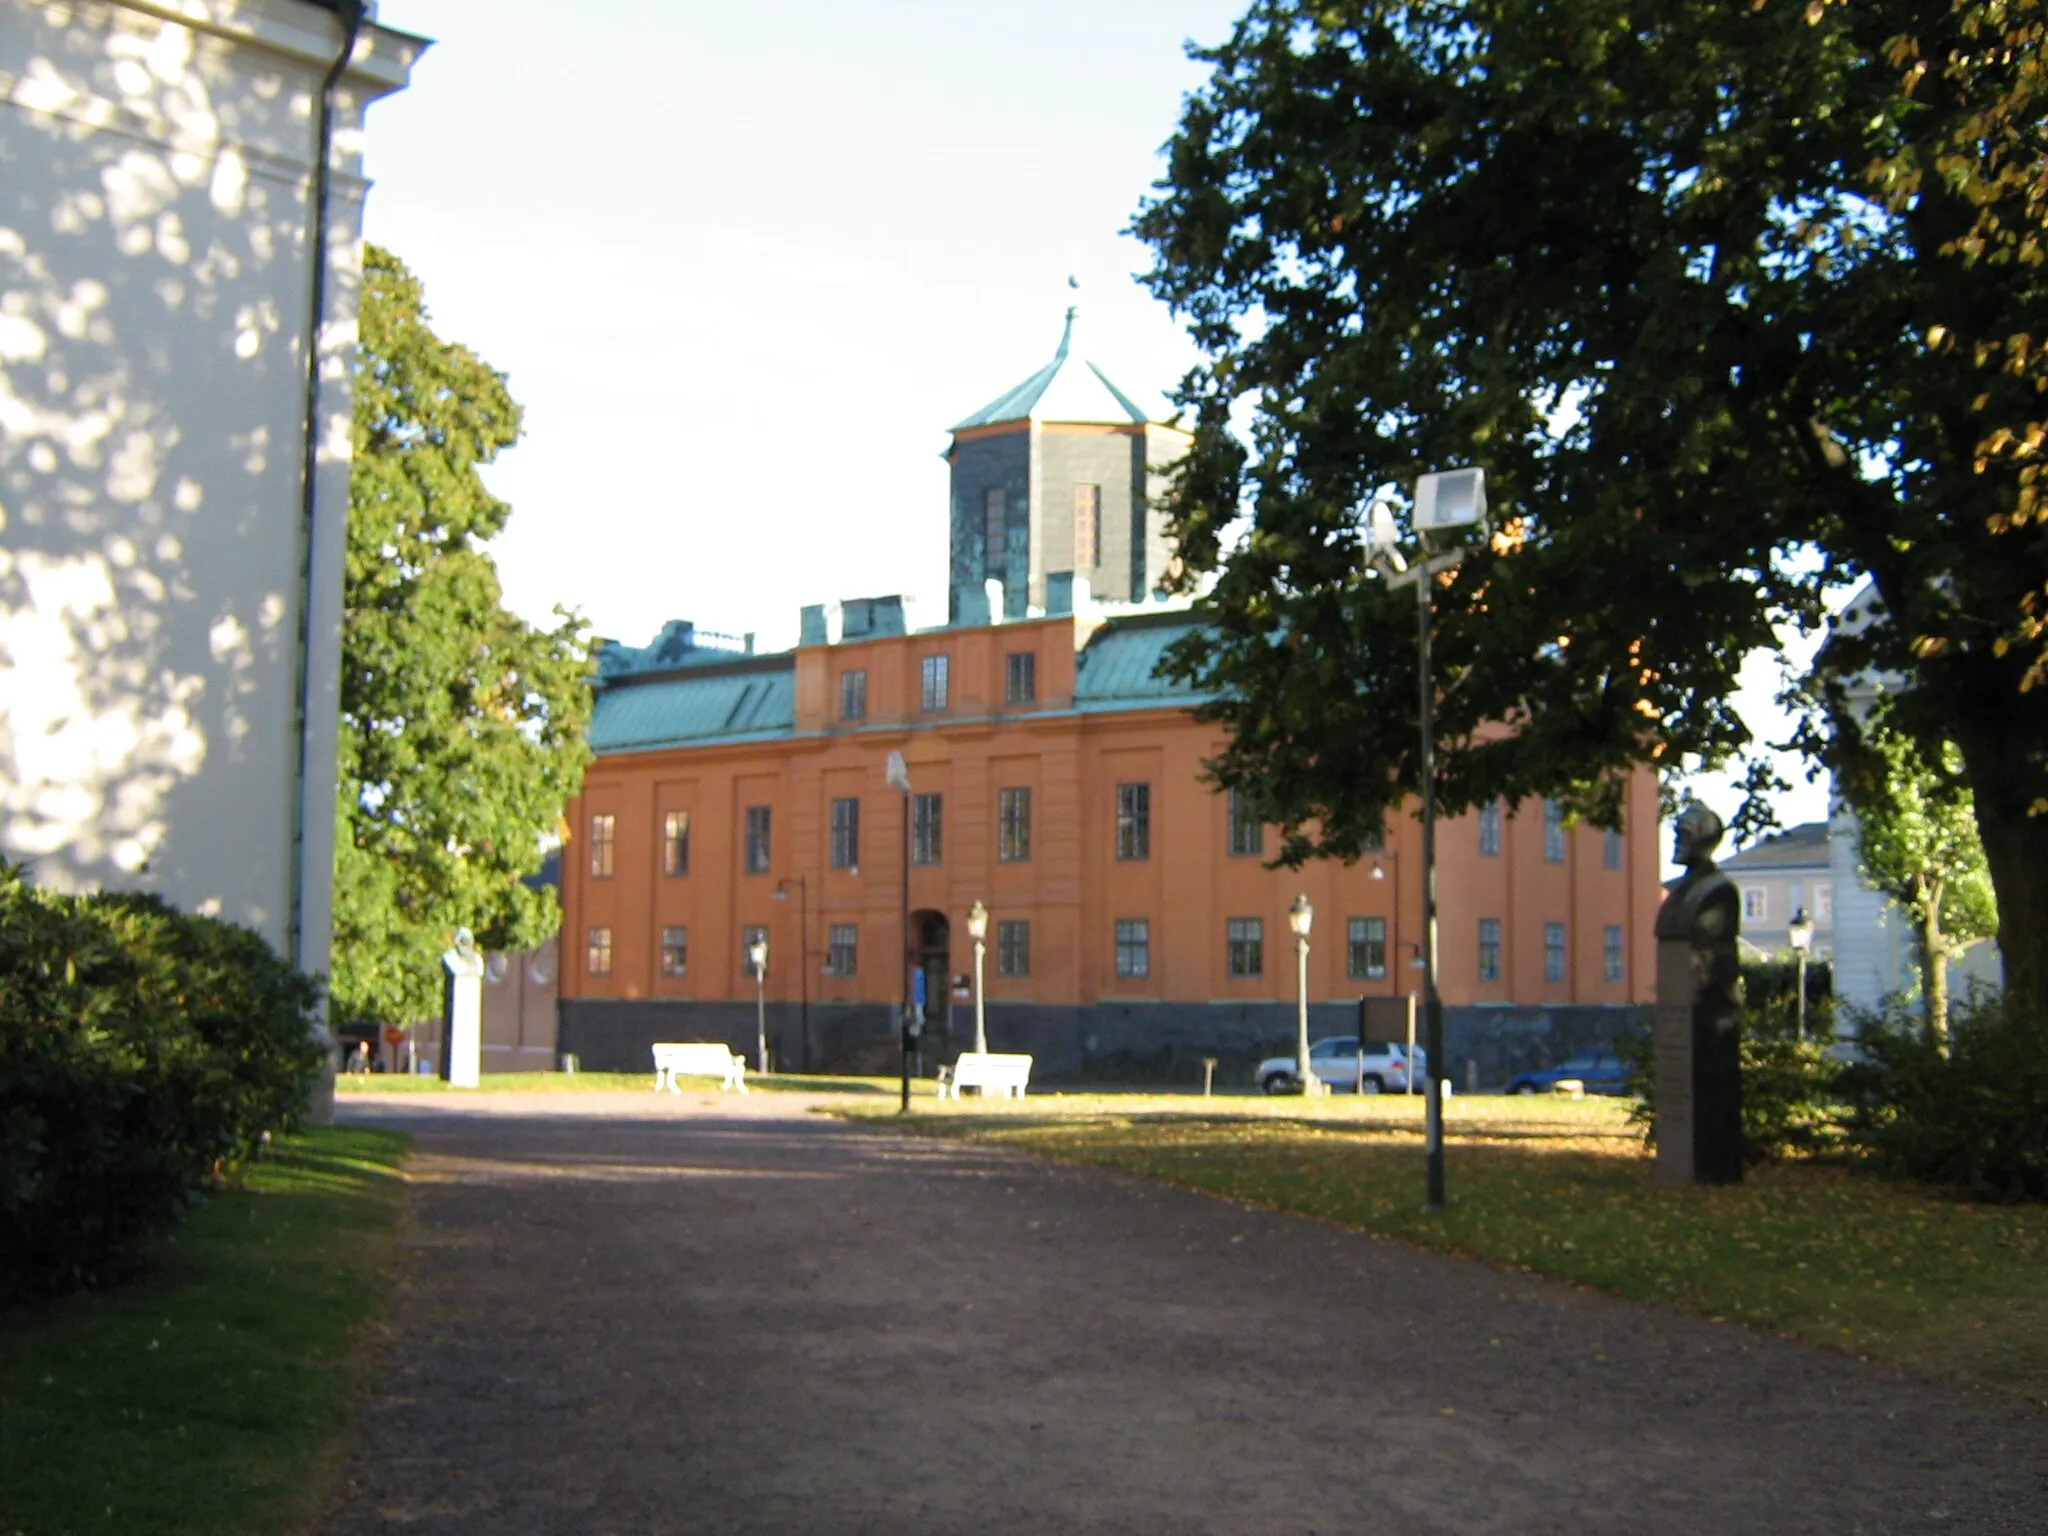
[(995, 529)]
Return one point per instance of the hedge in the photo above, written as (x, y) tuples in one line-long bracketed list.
[(144, 1052)]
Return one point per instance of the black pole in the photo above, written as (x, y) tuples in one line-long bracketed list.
[(904, 1107), (803, 966), (1433, 1004)]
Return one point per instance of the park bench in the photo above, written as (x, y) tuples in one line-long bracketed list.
[(988, 1071), (698, 1059)]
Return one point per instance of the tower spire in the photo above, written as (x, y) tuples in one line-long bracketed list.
[(1073, 314)]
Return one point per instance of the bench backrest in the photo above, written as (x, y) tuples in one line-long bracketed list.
[(698, 1058), (991, 1067)]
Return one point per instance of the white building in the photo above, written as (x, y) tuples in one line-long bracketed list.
[(170, 554)]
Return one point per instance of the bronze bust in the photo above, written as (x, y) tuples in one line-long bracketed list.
[(1699, 1014)]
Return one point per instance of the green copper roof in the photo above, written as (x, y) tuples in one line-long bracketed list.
[(1060, 392), (749, 702), (1119, 667)]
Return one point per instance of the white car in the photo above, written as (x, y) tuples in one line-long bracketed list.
[(1335, 1062)]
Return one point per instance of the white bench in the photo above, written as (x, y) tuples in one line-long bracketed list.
[(698, 1059), (989, 1071)]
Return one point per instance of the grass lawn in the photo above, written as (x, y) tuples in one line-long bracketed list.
[(212, 1393), (1563, 1188)]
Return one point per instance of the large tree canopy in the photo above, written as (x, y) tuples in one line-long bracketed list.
[(1656, 266), (462, 728)]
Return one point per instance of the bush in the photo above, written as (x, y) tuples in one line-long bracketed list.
[(1792, 1104), (1976, 1118), (143, 1053)]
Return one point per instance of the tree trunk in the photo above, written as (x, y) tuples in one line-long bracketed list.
[(2002, 737), (1934, 966)]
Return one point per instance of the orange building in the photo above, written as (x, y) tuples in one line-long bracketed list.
[(1052, 776)]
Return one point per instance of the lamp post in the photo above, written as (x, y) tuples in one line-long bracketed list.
[(803, 958), (977, 930), (898, 775), (1299, 917), (757, 956), (1800, 932), (1454, 498)]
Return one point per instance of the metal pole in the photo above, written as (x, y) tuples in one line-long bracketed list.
[(980, 1014), (1308, 1078), (1432, 1004), (761, 1016), (1802, 997), (904, 1107)]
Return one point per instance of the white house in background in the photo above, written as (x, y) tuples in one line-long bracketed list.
[(1780, 877), (170, 553)]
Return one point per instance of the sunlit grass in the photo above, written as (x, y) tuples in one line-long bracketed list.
[(211, 1394), (1563, 1188), (612, 1082)]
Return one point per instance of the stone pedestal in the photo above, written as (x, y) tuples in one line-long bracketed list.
[(462, 1013), (1698, 1027)]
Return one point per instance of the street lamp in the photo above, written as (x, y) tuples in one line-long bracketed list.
[(977, 930), (803, 958), (898, 776), (757, 955), (1452, 499), (1299, 917), (1800, 932)]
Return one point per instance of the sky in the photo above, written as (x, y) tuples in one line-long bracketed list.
[(743, 266)]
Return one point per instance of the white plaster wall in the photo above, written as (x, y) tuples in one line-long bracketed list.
[(154, 290)]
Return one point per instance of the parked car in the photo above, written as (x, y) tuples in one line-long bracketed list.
[(1335, 1061), (1600, 1071)]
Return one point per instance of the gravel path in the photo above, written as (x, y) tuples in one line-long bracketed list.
[(623, 1315)]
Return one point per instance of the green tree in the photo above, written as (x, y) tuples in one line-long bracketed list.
[(1640, 260), (1919, 846), (462, 728)]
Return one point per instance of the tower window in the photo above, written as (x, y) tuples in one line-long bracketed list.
[(995, 529), (1087, 527)]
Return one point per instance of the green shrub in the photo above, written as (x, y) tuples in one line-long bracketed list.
[(143, 1052), (1976, 1118), (1792, 1104)]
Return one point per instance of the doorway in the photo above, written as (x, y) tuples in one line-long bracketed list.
[(931, 938)]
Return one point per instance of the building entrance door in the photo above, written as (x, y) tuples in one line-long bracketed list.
[(933, 951)]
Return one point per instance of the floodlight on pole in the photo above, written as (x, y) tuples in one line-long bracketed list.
[(1800, 932), (757, 957), (977, 930)]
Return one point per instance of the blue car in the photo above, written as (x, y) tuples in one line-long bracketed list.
[(1600, 1071)]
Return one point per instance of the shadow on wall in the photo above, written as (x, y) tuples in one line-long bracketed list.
[(153, 293)]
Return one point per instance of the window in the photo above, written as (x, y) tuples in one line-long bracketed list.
[(1756, 903), (932, 693), (1553, 832), (1610, 952), (603, 834), (1020, 677), (995, 530), (1822, 895), (1087, 527), (1247, 833), (927, 829), (1246, 939), (842, 949), (1134, 821), (853, 695), (1489, 949), (675, 951), (1368, 948), (675, 843), (1133, 946), (600, 963), (1013, 825), (757, 839), (1489, 830), (1013, 947), (752, 934), (846, 833), (1553, 951), (1610, 849)]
